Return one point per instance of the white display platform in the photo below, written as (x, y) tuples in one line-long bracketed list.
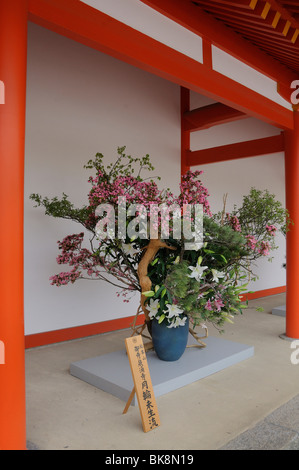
[(281, 311), (112, 374)]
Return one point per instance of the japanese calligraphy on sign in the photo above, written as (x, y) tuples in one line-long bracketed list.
[(142, 383)]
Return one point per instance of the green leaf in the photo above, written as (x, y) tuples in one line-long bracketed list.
[(224, 259), (161, 318)]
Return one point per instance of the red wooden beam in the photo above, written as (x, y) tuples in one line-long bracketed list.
[(93, 28), (211, 115), (198, 21), (82, 331), (236, 10), (257, 24), (251, 148), (246, 4), (234, 14), (284, 12), (207, 53), (275, 35)]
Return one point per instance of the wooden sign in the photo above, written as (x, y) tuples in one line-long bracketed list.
[(142, 384)]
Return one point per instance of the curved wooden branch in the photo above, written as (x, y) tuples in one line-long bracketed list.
[(145, 283)]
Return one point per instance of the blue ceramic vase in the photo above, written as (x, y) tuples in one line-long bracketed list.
[(169, 343)]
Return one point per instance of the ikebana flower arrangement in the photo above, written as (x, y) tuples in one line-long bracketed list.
[(137, 242)]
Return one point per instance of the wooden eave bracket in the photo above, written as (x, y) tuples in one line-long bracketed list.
[(199, 22), (211, 115)]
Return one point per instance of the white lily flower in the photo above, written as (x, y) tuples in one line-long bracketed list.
[(178, 322), (153, 308), (217, 274), (193, 246), (197, 271), (173, 310), (129, 249)]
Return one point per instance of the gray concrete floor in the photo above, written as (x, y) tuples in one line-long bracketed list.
[(251, 405)]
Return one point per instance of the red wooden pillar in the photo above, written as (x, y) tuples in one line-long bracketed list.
[(13, 50), (185, 134), (292, 204)]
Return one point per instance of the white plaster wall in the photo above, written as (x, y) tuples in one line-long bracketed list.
[(247, 76), (80, 102)]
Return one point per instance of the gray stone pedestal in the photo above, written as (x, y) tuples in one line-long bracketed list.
[(112, 374), (281, 311)]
